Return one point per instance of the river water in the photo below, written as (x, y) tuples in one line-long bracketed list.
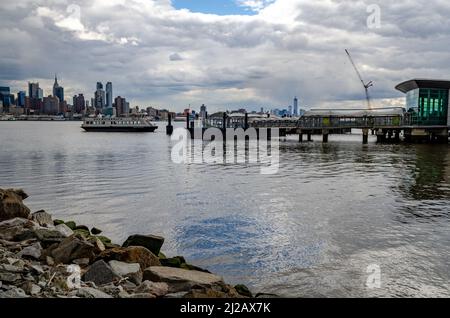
[(339, 220)]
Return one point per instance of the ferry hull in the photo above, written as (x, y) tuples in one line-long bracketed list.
[(120, 129)]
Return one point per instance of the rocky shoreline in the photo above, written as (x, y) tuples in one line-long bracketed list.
[(46, 258)]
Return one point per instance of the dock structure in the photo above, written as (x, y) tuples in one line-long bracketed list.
[(426, 118)]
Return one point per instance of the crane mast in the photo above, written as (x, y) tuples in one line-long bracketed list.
[(366, 85)]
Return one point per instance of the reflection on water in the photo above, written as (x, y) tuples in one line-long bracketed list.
[(309, 230)]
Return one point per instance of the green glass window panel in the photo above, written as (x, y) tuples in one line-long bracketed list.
[(432, 106)]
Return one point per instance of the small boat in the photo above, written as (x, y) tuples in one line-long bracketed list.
[(118, 124)]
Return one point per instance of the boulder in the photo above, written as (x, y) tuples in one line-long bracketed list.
[(89, 292), (11, 204), (46, 236), (71, 248), (100, 273), (42, 218), (181, 279), (217, 291), (132, 254), (112, 289), (129, 270), (99, 246), (151, 242), (173, 261), (15, 262), (180, 262), (71, 224), (96, 231), (82, 227), (13, 292), (57, 222), (11, 268), (243, 290), (37, 269), (8, 277), (12, 228), (64, 230), (49, 260), (157, 289), (33, 251), (83, 232), (31, 288)]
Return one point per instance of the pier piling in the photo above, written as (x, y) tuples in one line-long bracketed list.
[(365, 136), (169, 128), (324, 136)]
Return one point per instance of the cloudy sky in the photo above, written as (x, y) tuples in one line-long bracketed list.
[(225, 53)]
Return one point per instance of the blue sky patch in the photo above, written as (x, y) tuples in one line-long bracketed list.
[(220, 7)]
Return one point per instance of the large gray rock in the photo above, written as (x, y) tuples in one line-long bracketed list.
[(180, 279), (157, 289), (44, 235), (98, 244), (33, 251), (129, 270), (12, 228), (151, 242), (64, 230), (42, 218), (11, 204), (71, 248), (8, 277), (100, 273), (89, 292), (31, 288), (13, 292)]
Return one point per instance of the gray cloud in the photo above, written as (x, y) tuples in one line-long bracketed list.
[(156, 55)]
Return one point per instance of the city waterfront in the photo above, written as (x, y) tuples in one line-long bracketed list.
[(313, 229)]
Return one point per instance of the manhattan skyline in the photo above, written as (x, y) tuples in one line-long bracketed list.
[(228, 54)]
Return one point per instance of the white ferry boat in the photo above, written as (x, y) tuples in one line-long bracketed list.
[(118, 124)]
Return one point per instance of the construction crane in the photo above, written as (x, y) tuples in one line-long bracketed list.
[(366, 85)]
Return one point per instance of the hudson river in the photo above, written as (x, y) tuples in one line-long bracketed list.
[(334, 217)]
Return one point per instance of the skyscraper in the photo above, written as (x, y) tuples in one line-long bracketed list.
[(78, 103), (21, 98), (58, 91), (33, 90), (5, 97), (51, 105), (295, 106), (109, 95), (40, 93), (99, 97), (122, 106)]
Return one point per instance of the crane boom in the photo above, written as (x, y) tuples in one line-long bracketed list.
[(366, 85)]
